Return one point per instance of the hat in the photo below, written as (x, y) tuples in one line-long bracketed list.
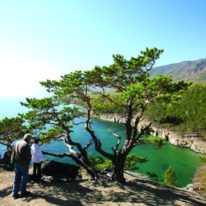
[(27, 136)]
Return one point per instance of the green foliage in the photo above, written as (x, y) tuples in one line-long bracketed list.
[(99, 163), (157, 141), (133, 90), (105, 164), (102, 105), (12, 128), (169, 177), (153, 176), (96, 160), (133, 160), (186, 113), (49, 117), (192, 109)]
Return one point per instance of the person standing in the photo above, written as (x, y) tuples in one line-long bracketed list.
[(37, 159), (21, 156)]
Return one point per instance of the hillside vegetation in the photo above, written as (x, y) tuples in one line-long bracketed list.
[(187, 114)]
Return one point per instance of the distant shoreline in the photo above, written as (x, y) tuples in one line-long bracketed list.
[(196, 144)]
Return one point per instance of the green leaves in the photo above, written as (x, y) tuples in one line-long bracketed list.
[(101, 104), (157, 141), (12, 128), (184, 110), (133, 160), (50, 117), (169, 177), (122, 87), (99, 163)]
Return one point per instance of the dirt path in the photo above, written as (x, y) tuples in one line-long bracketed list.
[(84, 192)]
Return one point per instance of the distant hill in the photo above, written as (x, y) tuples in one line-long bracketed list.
[(186, 70)]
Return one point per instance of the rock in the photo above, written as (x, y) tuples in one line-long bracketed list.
[(59, 170), (6, 161), (199, 146), (47, 178)]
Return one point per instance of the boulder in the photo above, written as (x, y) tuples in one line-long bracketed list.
[(5, 162), (199, 146), (59, 170)]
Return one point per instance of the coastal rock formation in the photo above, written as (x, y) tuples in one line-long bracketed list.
[(192, 140), (59, 170), (5, 162), (199, 146)]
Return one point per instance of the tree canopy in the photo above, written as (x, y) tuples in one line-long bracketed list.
[(124, 85)]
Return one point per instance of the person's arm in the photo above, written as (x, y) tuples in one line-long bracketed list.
[(13, 156), (27, 153)]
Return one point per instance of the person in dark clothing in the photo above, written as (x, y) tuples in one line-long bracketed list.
[(21, 156)]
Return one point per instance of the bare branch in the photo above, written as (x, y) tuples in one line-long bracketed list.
[(3, 143), (115, 148), (8, 145), (59, 136), (88, 144), (75, 158), (143, 130), (76, 124), (96, 141), (57, 155)]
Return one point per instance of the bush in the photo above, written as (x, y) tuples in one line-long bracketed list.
[(130, 164), (169, 177), (99, 163)]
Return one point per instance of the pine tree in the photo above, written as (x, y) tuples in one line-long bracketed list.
[(169, 177)]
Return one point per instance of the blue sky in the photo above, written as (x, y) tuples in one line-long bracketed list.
[(43, 39)]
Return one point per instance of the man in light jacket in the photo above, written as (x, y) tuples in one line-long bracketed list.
[(21, 156), (37, 159)]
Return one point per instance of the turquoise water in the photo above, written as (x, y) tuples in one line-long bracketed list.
[(184, 161)]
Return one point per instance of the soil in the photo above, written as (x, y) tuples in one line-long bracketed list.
[(137, 191)]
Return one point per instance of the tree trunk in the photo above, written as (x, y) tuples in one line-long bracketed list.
[(118, 169)]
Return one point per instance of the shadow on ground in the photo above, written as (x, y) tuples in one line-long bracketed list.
[(101, 192)]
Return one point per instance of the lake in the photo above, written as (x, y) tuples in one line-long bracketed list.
[(184, 161)]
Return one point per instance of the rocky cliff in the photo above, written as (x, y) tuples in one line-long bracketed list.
[(192, 140)]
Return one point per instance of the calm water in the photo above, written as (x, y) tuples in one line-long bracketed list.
[(184, 161)]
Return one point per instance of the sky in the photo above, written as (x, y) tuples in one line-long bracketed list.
[(44, 39)]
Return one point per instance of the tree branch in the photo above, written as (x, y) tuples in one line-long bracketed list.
[(88, 144), (75, 158), (115, 148), (96, 141), (143, 130)]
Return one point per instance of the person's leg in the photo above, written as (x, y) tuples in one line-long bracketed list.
[(24, 178), (17, 179), (39, 171), (34, 170)]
